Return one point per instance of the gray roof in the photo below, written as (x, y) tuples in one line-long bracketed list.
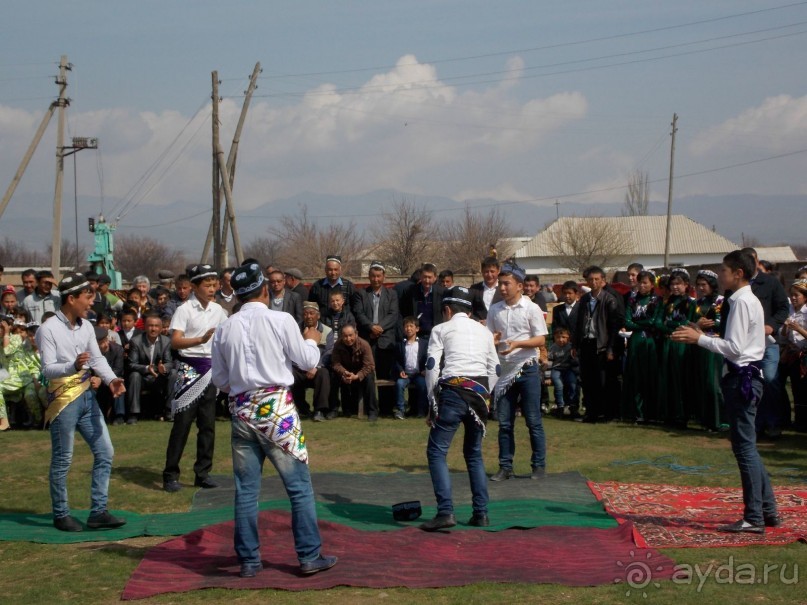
[(646, 233)]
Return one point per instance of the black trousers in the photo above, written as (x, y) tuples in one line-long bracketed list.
[(364, 389), (321, 383), (593, 366), (203, 412), (161, 385)]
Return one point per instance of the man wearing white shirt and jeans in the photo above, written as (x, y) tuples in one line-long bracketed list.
[(459, 394), (743, 347), (69, 350), (519, 328), (253, 352)]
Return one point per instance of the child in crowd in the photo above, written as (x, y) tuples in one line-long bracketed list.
[(793, 360), (337, 315), (639, 388), (674, 408), (128, 326), (564, 371), (21, 362), (410, 370), (105, 321), (8, 301)]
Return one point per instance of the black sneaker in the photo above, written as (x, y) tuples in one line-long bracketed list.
[(104, 520), (742, 527), (503, 475), (538, 472), (172, 486), (773, 521), (331, 415), (318, 416), (250, 570), (206, 483), (67, 523), (321, 563), (439, 522), (479, 520)]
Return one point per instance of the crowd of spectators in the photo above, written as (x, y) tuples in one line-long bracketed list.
[(608, 354)]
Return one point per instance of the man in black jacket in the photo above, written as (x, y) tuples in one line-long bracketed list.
[(283, 299), (424, 301), (486, 292), (333, 281), (151, 366), (598, 323), (376, 311)]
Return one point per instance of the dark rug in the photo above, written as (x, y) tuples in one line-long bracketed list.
[(385, 489), (411, 558)]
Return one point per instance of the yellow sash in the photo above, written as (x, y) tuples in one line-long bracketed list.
[(64, 391)]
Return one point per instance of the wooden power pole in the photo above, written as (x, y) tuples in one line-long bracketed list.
[(224, 178), (670, 193), (62, 103)]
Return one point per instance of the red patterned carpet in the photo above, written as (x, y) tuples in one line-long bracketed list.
[(673, 516), (573, 556)]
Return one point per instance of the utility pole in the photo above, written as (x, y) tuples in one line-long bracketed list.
[(79, 143), (670, 192), (229, 217), (62, 103), (214, 76), (557, 209)]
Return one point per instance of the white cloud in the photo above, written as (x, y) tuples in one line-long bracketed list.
[(404, 129), (777, 124)]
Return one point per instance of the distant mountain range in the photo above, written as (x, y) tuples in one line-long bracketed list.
[(28, 218)]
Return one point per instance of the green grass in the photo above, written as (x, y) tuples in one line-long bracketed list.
[(90, 573)]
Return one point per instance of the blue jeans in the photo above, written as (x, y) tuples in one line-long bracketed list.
[(250, 448), (757, 492), (453, 411), (528, 386), (768, 412), (418, 382), (565, 383), (82, 415)]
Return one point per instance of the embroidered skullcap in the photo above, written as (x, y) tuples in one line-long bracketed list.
[(377, 264), (459, 296), (707, 273), (333, 258), (310, 304), (73, 282), (295, 273), (511, 268), (197, 273), (680, 272), (165, 275), (246, 279)]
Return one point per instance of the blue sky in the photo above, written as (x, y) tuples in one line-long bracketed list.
[(510, 100)]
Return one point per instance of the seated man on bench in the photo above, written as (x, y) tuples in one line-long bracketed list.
[(150, 367)]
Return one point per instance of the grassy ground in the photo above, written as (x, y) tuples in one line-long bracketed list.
[(90, 573)]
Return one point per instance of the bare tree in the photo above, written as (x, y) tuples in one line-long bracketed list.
[(637, 197), (469, 239), (14, 253), (72, 256), (304, 244), (582, 241), (264, 249), (403, 235), (136, 255)]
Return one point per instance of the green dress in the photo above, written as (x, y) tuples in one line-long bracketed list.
[(672, 358), (639, 383), (706, 368)]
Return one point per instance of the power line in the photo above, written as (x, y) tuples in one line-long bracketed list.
[(179, 220), (552, 46)]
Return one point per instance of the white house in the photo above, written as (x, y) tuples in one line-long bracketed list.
[(690, 243)]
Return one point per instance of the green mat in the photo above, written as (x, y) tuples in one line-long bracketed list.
[(29, 527)]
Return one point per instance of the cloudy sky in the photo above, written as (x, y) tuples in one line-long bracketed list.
[(510, 100)]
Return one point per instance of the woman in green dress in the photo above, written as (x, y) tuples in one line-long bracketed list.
[(673, 406), (639, 388), (707, 366)]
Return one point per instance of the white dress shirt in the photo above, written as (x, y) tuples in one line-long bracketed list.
[(193, 321), (800, 317), (521, 321), (744, 340), (60, 342), (488, 293), (256, 347), (468, 350)]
